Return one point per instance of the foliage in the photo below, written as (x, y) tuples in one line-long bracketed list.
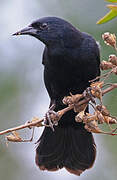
[(112, 13)]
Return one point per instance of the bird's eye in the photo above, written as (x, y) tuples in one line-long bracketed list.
[(43, 26)]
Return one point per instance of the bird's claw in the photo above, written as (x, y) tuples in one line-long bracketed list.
[(48, 120), (88, 94)]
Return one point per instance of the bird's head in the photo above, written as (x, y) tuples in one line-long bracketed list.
[(49, 30)]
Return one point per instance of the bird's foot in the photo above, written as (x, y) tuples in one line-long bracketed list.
[(51, 118), (88, 94)]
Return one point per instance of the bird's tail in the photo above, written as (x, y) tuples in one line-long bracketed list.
[(70, 147)]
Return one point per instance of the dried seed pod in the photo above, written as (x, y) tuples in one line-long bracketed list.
[(92, 127), (115, 70), (69, 100), (97, 93), (88, 95), (79, 108), (100, 117), (113, 59), (103, 110), (79, 117), (104, 65), (89, 117), (96, 90), (76, 97), (88, 128), (34, 119), (98, 84), (110, 120), (109, 39), (14, 137)]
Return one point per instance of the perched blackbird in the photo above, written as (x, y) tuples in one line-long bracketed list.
[(71, 58)]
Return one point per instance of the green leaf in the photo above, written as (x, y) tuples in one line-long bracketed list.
[(113, 1), (109, 16), (113, 7)]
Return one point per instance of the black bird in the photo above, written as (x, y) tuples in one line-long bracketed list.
[(71, 58)]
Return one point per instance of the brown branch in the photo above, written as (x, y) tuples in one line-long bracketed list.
[(38, 122), (112, 86), (28, 125), (78, 102)]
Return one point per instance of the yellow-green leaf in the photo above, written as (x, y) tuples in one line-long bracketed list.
[(113, 7), (113, 1), (112, 14)]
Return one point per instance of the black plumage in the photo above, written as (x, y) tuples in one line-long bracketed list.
[(71, 58)]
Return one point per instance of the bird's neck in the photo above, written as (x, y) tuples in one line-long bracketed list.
[(68, 39), (73, 39), (63, 50)]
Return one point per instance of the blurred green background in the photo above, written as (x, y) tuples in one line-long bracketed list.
[(22, 91)]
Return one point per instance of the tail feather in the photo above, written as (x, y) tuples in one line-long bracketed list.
[(68, 147), (50, 152), (82, 148)]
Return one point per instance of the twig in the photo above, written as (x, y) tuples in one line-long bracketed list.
[(112, 86), (28, 125), (38, 122)]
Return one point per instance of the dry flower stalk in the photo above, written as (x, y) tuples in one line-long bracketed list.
[(109, 39), (14, 137), (88, 120), (79, 102)]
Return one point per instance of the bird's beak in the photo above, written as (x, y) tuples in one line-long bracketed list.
[(26, 31)]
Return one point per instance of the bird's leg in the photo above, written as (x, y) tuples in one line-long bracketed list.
[(48, 121), (88, 94)]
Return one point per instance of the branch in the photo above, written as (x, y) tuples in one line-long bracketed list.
[(113, 86), (28, 125), (79, 102), (36, 122)]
